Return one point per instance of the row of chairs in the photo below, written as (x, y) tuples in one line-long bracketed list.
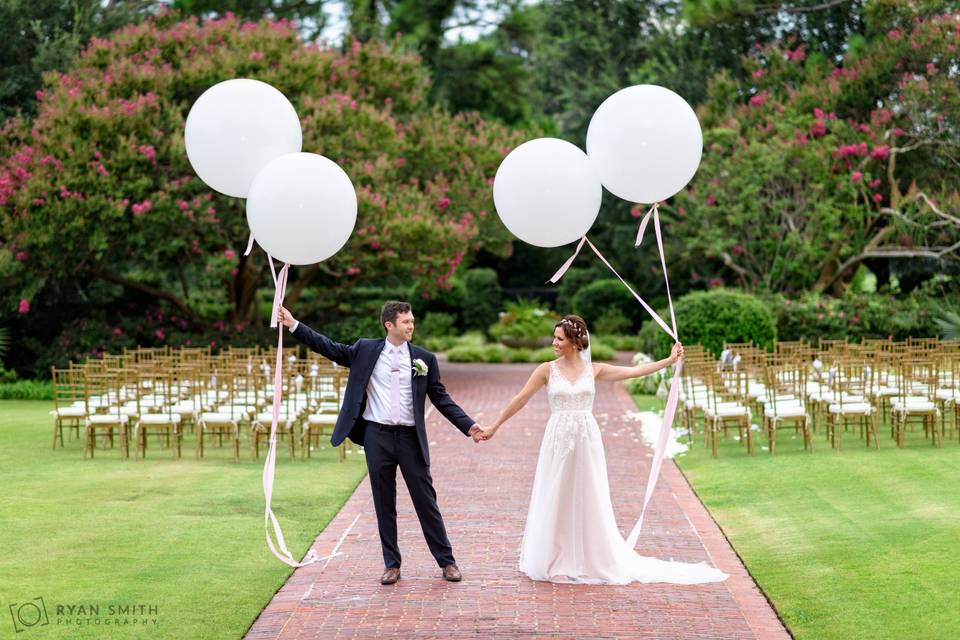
[(168, 393), (837, 384)]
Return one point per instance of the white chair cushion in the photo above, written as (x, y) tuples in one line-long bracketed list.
[(912, 404), (786, 411), (159, 418), (322, 418), (183, 409), (70, 412), (728, 411), (213, 416), (267, 416), (107, 419), (240, 412), (785, 398), (858, 408)]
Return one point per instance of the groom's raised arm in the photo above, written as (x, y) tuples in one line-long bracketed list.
[(340, 353), (442, 400)]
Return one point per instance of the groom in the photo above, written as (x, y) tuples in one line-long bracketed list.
[(383, 411)]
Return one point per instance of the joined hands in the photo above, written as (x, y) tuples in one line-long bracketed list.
[(480, 434)]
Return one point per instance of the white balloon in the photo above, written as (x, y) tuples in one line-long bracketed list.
[(645, 142), (302, 208), (235, 128), (547, 193)]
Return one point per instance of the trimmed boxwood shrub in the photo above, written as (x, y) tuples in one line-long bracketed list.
[(711, 318), (482, 298), (604, 299)]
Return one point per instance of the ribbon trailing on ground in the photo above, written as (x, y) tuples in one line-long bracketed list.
[(673, 397), (269, 466)]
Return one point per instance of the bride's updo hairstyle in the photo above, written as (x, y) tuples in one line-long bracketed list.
[(575, 330)]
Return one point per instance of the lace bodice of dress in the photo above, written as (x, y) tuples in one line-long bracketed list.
[(564, 395)]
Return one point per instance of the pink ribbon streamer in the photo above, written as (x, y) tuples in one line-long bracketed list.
[(566, 265), (673, 396), (269, 466), (643, 223), (659, 452)]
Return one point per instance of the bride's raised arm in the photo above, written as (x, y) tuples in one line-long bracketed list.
[(613, 373), (537, 379)]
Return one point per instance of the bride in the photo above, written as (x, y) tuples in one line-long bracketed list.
[(571, 533)]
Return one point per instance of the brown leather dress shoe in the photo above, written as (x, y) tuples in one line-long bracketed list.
[(390, 575), (451, 573)]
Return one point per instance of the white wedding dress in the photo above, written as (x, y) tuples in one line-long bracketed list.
[(571, 534)]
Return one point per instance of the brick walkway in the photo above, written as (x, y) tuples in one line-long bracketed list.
[(483, 491)]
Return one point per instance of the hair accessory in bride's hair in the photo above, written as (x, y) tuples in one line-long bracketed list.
[(575, 326)]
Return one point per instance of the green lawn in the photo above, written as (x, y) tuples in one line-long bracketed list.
[(856, 544), (183, 535)]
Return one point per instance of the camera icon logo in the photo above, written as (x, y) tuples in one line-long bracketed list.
[(32, 613)]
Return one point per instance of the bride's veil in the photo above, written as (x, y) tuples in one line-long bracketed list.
[(585, 353)]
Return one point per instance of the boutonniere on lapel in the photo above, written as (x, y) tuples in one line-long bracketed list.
[(419, 367)]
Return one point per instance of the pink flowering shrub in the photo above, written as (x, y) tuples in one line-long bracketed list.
[(809, 169), (97, 194)]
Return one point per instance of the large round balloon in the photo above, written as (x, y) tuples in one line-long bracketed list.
[(547, 193), (235, 128), (302, 208), (645, 142)]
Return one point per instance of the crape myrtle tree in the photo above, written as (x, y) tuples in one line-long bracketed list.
[(814, 167), (100, 209)]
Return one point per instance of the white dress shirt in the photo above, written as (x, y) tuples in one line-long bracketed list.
[(378, 407), (378, 389)]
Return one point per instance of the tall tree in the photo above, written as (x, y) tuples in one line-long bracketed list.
[(307, 14), (99, 206), (37, 36), (811, 169)]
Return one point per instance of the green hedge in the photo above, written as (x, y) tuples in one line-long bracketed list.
[(607, 306), (525, 320), (481, 300), (856, 316), (27, 390), (711, 318), (500, 353)]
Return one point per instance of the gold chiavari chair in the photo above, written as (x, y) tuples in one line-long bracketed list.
[(849, 403), (947, 393), (783, 404), (69, 402), (697, 364), (727, 405), (323, 419), (189, 398), (915, 400), (226, 416), (288, 416), (163, 421), (101, 391)]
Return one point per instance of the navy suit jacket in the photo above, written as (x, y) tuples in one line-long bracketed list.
[(360, 358)]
